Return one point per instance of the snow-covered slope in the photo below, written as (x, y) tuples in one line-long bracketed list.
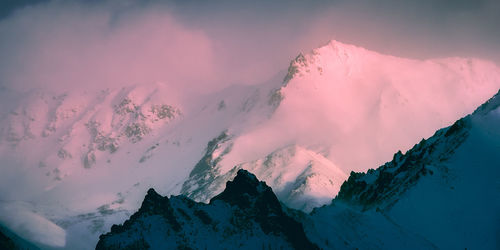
[(247, 215), (351, 107), (81, 160), (443, 191), (359, 107), (301, 178)]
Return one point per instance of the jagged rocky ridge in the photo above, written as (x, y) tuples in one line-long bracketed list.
[(389, 181), (246, 215)]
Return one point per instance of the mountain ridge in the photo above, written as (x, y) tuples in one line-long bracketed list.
[(251, 205), (442, 191)]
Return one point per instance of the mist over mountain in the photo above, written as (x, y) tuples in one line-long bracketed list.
[(100, 101), (86, 157)]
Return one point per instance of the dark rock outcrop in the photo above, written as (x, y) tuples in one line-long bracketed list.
[(246, 215)]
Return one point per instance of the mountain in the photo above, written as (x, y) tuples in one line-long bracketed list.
[(81, 159), (246, 215), (362, 106), (352, 107), (85, 158), (443, 191), (440, 194)]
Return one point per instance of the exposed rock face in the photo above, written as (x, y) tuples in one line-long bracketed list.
[(246, 215), (206, 172), (87, 126)]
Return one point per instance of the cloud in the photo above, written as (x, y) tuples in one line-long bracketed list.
[(201, 46), (418, 29), (72, 45)]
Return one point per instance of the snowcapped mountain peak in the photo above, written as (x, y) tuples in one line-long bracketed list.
[(341, 51), (343, 88), (332, 56), (340, 46)]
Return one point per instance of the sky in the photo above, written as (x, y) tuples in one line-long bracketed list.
[(204, 46)]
